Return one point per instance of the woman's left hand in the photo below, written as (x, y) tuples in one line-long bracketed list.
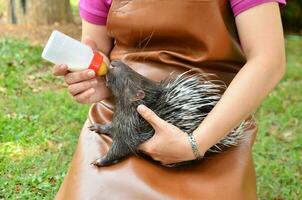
[(169, 144)]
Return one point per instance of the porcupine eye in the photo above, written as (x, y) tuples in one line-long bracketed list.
[(129, 90), (127, 85)]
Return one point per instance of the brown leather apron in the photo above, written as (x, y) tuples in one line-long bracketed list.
[(156, 38)]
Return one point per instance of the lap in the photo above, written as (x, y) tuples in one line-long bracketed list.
[(229, 175)]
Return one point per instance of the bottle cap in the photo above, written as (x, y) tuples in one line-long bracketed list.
[(99, 63)]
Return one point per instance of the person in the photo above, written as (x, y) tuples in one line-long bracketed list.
[(241, 42)]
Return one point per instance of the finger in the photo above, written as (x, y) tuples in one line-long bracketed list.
[(77, 88), (85, 96), (88, 41), (150, 116), (75, 77), (60, 70)]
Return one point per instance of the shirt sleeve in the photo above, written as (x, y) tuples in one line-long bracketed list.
[(94, 11), (239, 6)]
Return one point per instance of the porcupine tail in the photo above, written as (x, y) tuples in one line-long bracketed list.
[(189, 98)]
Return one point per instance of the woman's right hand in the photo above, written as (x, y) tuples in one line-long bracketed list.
[(84, 86)]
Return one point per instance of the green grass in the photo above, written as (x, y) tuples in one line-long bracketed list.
[(40, 124), (278, 150)]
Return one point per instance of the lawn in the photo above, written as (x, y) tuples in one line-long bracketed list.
[(40, 124)]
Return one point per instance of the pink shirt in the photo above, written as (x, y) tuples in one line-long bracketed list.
[(96, 11)]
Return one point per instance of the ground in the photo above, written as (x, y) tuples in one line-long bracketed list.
[(40, 122), (37, 35)]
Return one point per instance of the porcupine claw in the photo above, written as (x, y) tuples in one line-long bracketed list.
[(97, 162), (101, 162)]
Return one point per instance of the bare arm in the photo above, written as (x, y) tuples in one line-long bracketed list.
[(84, 86), (261, 35)]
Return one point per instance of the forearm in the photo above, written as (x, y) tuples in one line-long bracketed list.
[(261, 36), (248, 89)]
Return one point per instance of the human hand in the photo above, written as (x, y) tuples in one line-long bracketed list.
[(84, 86), (169, 144)]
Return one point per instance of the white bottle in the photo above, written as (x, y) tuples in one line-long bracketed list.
[(62, 49)]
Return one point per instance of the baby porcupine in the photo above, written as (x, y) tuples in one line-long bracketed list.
[(183, 101)]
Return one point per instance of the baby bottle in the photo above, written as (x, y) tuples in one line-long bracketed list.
[(62, 49)]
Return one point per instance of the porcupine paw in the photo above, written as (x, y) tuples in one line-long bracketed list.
[(100, 129), (96, 128)]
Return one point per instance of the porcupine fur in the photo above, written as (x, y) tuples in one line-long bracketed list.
[(183, 101)]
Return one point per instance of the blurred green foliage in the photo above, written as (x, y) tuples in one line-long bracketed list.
[(292, 15)]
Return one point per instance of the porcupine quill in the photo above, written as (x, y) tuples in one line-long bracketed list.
[(183, 101)]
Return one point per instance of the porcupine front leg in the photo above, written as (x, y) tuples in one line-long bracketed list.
[(101, 129), (117, 152)]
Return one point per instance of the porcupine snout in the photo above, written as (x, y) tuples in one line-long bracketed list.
[(115, 69), (116, 63), (112, 67)]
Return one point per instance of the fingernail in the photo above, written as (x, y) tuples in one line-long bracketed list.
[(141, 108), (91, 73)]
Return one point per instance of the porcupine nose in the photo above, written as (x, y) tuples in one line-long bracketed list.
[(113, 68), (115, 63)]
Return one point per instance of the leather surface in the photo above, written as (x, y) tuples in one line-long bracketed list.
[(156, 38), (229, 175)]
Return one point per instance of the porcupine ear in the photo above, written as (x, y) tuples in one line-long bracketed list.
[(140, 94)]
